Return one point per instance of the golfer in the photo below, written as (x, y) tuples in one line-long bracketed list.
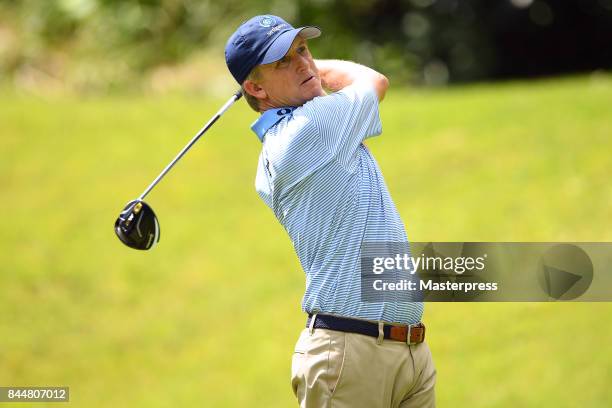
[(329, 194)]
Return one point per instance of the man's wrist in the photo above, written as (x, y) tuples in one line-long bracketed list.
[(335, 74)]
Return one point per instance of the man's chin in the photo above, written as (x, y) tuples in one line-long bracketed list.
[(314, 93)]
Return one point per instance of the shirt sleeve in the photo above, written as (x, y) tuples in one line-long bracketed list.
[(346, 118)]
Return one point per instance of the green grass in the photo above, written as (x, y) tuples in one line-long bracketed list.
[(210, 317)]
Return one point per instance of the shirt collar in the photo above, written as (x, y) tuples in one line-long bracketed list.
[(270, 118)]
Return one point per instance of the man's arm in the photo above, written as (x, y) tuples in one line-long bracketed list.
[(337, 74)]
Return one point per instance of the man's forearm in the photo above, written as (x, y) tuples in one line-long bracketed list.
[(337, 74)]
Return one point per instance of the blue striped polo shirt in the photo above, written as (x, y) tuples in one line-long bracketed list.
[(329, 194)]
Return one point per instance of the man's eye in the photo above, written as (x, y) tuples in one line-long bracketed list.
[(301, 50)]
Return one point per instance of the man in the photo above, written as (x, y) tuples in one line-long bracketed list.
[(327, 191)]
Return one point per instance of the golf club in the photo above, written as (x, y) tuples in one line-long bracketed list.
[(137, 225)]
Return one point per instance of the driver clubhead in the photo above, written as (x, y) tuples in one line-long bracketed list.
[(137, 226)]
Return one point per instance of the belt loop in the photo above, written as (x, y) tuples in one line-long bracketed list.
[(312, 322), (408, 342), (381, 333)]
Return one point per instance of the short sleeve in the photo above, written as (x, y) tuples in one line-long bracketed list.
[(291, 152), (346, 118)]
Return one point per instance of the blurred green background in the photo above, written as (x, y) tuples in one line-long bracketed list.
[(210, 316), (156, 45)]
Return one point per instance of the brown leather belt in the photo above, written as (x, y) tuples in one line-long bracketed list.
[(391, 331)]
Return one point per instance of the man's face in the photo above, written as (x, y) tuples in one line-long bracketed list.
[(292, 80)]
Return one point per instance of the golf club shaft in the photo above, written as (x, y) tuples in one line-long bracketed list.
[(207, 126)]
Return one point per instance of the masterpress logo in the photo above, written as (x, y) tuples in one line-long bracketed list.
[(485, 271)]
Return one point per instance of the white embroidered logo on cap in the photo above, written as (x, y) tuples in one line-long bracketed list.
[(275, 29), (267, 21)]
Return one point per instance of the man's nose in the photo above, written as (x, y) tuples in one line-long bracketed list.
[(302, 63)]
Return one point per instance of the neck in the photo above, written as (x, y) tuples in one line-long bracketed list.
[(266, 104)]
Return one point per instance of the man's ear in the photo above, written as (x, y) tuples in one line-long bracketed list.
[(254, 89)]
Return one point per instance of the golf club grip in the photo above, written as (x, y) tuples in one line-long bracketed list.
[(203, 130)]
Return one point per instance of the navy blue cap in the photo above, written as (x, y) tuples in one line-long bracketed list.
[(261, 40)]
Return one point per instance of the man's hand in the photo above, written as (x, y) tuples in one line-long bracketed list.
[(337, 74)]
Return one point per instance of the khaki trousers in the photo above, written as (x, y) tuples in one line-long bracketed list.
[(337, 369)]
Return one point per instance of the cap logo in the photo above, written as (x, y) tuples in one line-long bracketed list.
[(275, 29), (267, 21)]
